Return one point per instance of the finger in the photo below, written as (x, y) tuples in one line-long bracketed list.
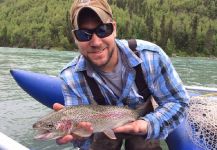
[(128, 128), (57, 106), (87, 126), (136, 127), (64, 140)]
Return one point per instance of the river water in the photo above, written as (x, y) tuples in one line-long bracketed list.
[(18, 111)]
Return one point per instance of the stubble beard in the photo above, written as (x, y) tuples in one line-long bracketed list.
[(95, 65)]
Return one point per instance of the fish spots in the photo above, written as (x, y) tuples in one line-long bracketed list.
[(111, 115), (101, 119)]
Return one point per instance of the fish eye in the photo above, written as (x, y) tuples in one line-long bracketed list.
[(50, 125)]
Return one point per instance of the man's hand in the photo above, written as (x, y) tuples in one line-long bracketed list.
[(136, 127), (57, 106), (68, 138)]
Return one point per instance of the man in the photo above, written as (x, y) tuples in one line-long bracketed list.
[(112, 66)]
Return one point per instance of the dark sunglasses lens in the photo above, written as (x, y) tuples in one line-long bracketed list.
[(101, 31), (82, 35), (104, 30)]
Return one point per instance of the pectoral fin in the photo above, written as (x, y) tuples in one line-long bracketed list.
[(82, 132), (110, 134)]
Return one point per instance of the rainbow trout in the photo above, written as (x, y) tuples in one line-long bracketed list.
[(102, 118)]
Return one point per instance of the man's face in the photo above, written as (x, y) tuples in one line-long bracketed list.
[(101, 52)]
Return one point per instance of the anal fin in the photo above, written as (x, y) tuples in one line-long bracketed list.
[(110, 134)]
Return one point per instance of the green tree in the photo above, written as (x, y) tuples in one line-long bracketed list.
[(4, 41), (170, 47), (181, 39), (163, 33), (193, 40), (150, 25), (45, 24), (209, 44)]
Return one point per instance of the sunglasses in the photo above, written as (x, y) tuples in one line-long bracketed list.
[(102, 31)]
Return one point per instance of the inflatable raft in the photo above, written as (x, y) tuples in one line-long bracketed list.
[(7, 143), (47, 90)]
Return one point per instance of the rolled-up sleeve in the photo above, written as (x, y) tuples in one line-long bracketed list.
[(170, 95)]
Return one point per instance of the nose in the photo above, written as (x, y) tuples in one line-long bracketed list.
[(95, 41), (36, 125)]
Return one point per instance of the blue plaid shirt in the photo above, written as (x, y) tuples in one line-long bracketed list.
[(161, 78)]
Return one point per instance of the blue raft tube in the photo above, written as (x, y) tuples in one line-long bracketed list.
[(47, 90)]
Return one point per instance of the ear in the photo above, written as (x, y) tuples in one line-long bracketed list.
[(115, 28), (75, 39)]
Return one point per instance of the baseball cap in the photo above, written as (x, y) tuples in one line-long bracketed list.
[(100, 7)]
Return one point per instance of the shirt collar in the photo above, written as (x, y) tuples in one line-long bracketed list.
[(132, 59), (81, 64)]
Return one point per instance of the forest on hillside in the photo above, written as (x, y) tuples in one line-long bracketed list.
[(180, 27)]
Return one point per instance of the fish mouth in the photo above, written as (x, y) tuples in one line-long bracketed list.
[(44, 135)]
